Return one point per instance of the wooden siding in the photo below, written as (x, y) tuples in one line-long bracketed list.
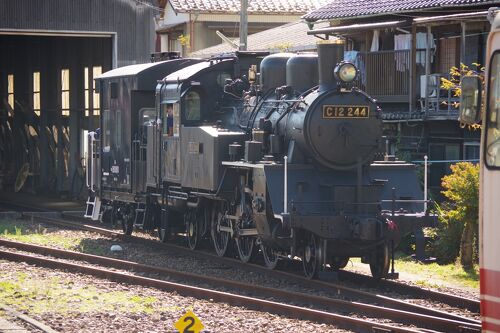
[(386, 75)]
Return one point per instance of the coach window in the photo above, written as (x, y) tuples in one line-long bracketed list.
[(192, 108), (492, 147), (168, 119)]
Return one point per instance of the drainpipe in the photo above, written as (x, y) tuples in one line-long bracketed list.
[(191, 32), (462, 48), (243, 25), (427, 67)]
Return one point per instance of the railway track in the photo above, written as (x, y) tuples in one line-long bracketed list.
[(302, 310), (461, 323), (28, 320), (335, 288)]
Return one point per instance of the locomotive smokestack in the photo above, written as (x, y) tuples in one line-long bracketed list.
[(330, 53)]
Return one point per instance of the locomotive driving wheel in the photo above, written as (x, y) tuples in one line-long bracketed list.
[(128, 220), (246, 244), (379, 261), (246, 247), (220, 238), (310, 256), (192, 228), (270, 256)]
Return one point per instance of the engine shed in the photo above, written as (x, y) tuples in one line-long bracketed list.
[(51, 53)]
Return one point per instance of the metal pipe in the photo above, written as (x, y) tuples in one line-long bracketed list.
[(91, 137), (285, 194), (425, 183), (243, 25)]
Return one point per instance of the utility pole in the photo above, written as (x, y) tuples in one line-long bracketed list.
[(243, 25)]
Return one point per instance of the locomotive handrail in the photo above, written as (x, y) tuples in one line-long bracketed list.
[(257, 108), (284, 100), (407, 200), (155, 152), (91, 136), (89, 163)]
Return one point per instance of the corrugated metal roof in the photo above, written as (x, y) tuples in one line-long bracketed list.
[(291, 37), (350, 9), (129, 70), (254, 6)]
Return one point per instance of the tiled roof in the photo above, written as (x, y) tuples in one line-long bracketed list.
[(254, 6), (288, 37), (338, 9)]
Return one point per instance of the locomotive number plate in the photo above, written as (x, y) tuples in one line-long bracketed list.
[(346, 111)]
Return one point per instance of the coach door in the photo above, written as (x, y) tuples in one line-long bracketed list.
[(171, 142), (147, 117)]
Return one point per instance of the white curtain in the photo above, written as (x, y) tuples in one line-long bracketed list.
[(375, 42)]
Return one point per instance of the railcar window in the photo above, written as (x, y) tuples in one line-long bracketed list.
[(192, 106), (177, 116), (118, 129), (148, 117), (168, 119), (492, 149), (106, 133)]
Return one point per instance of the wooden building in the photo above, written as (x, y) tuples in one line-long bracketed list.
[(403, 49), (51, 52), (190, 25)]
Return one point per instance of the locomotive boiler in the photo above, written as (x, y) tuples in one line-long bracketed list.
[(305, 174)]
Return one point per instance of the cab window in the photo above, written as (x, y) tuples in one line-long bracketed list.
[(168, 119), (492, 147), (192, 106)]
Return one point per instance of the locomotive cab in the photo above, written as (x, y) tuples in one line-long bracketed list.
[(127, 104)]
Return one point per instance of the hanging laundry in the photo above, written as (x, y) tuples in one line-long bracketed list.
[(375, 41), (403, 42)]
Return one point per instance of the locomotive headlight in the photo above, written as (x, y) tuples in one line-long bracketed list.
[(346, 72)]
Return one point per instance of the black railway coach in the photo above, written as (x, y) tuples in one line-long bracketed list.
[(117, 151), (282, 161)]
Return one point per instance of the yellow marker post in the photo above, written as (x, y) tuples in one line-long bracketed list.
[(189, 323)]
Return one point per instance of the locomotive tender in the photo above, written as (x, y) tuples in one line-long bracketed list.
[(280, 161)]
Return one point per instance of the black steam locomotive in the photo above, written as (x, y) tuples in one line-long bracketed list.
[(273, 152)]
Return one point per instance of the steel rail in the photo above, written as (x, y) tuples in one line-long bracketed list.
[(453, 300), (334, 288), (33, 322), (458, 301), (416, 319), (359, 325)]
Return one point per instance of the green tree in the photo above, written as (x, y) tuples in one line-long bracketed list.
[(454, 82), (461, 188)]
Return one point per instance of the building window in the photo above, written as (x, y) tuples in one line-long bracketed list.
[(90, 94), (471, 151), (65, 92), (10, 90), (36, 93), (448, 54), (442, 156)]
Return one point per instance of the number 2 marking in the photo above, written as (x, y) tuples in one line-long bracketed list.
[(191, 324)]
